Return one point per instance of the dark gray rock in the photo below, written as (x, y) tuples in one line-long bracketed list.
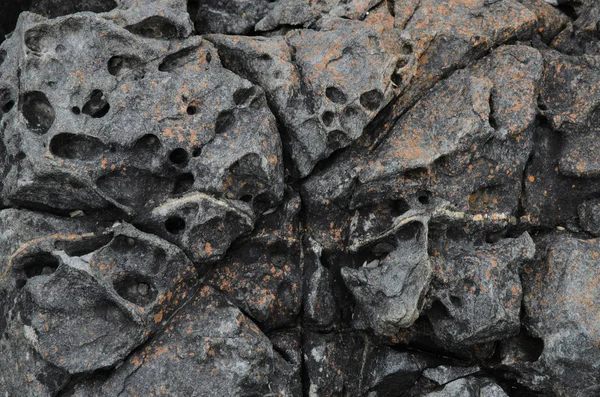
[(560, 301), (84, 300), (193, 356), (476, 289), (589, 216)]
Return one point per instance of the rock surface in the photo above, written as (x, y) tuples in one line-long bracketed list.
[(290, 198)]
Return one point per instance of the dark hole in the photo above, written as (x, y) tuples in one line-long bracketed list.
[(38, 112), (76, 110), (191, 110), (208, 57), (178, 156), (399, 207), (397, 79), (2, 56), (371, 100), (122, 63), (135, 289), (327, 118), (76, 146), (224, 121), (154, 27), (265, 57), (174, 225), (406, 49), (96, 106), (21, 283), (493, 238), (456, 301), (197, 152), (246, 198), (242, 95), (424, 197), (8, 106), (183, 183), (438, 310), (533, 347), (40, 264), (336, 95)]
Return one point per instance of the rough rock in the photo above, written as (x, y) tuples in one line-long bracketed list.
[(290, 198)]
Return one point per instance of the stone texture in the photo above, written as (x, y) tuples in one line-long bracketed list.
[(299, 198)]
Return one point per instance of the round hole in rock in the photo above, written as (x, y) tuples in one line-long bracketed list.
[(135, 289), (20, 283), (178, 156), (197, 152), (76, 146), (456, 301), (327, 118), (371, 100), (38, 112), (208, 57), (493, 238), (183, 183), (424, 198), (336, 95), (175, 225), (76, 110), (191, 110)]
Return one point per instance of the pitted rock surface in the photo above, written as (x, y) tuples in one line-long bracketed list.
[(290, 198)]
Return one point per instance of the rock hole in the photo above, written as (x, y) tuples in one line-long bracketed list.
[(39, 265), (493, 238), (96, 106), (174, 225), (390, 7), (406, 49), (8, 106), (119, 64), (208, 57), (399, 207), (438, 310), (424, 197), (242, 95), (336, 95), (178, 156), (337, 139), (135, 289), (191, 110), (135, 187), (371, 100), (75, 146), (225, 121), (155, 27), (76, 110), (353, 119), (246, 198), (2, 56), (177, 59), (197, 152), (183, 183), (456, 301), (147, 147), (532, 347), (35, 36), (327, 118), (38, 112)]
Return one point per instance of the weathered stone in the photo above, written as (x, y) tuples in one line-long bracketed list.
[(561, 308), (470, 387), (476, 289), (228, 17), (193, 356)]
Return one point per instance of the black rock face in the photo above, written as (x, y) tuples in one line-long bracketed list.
[(289, 198)]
